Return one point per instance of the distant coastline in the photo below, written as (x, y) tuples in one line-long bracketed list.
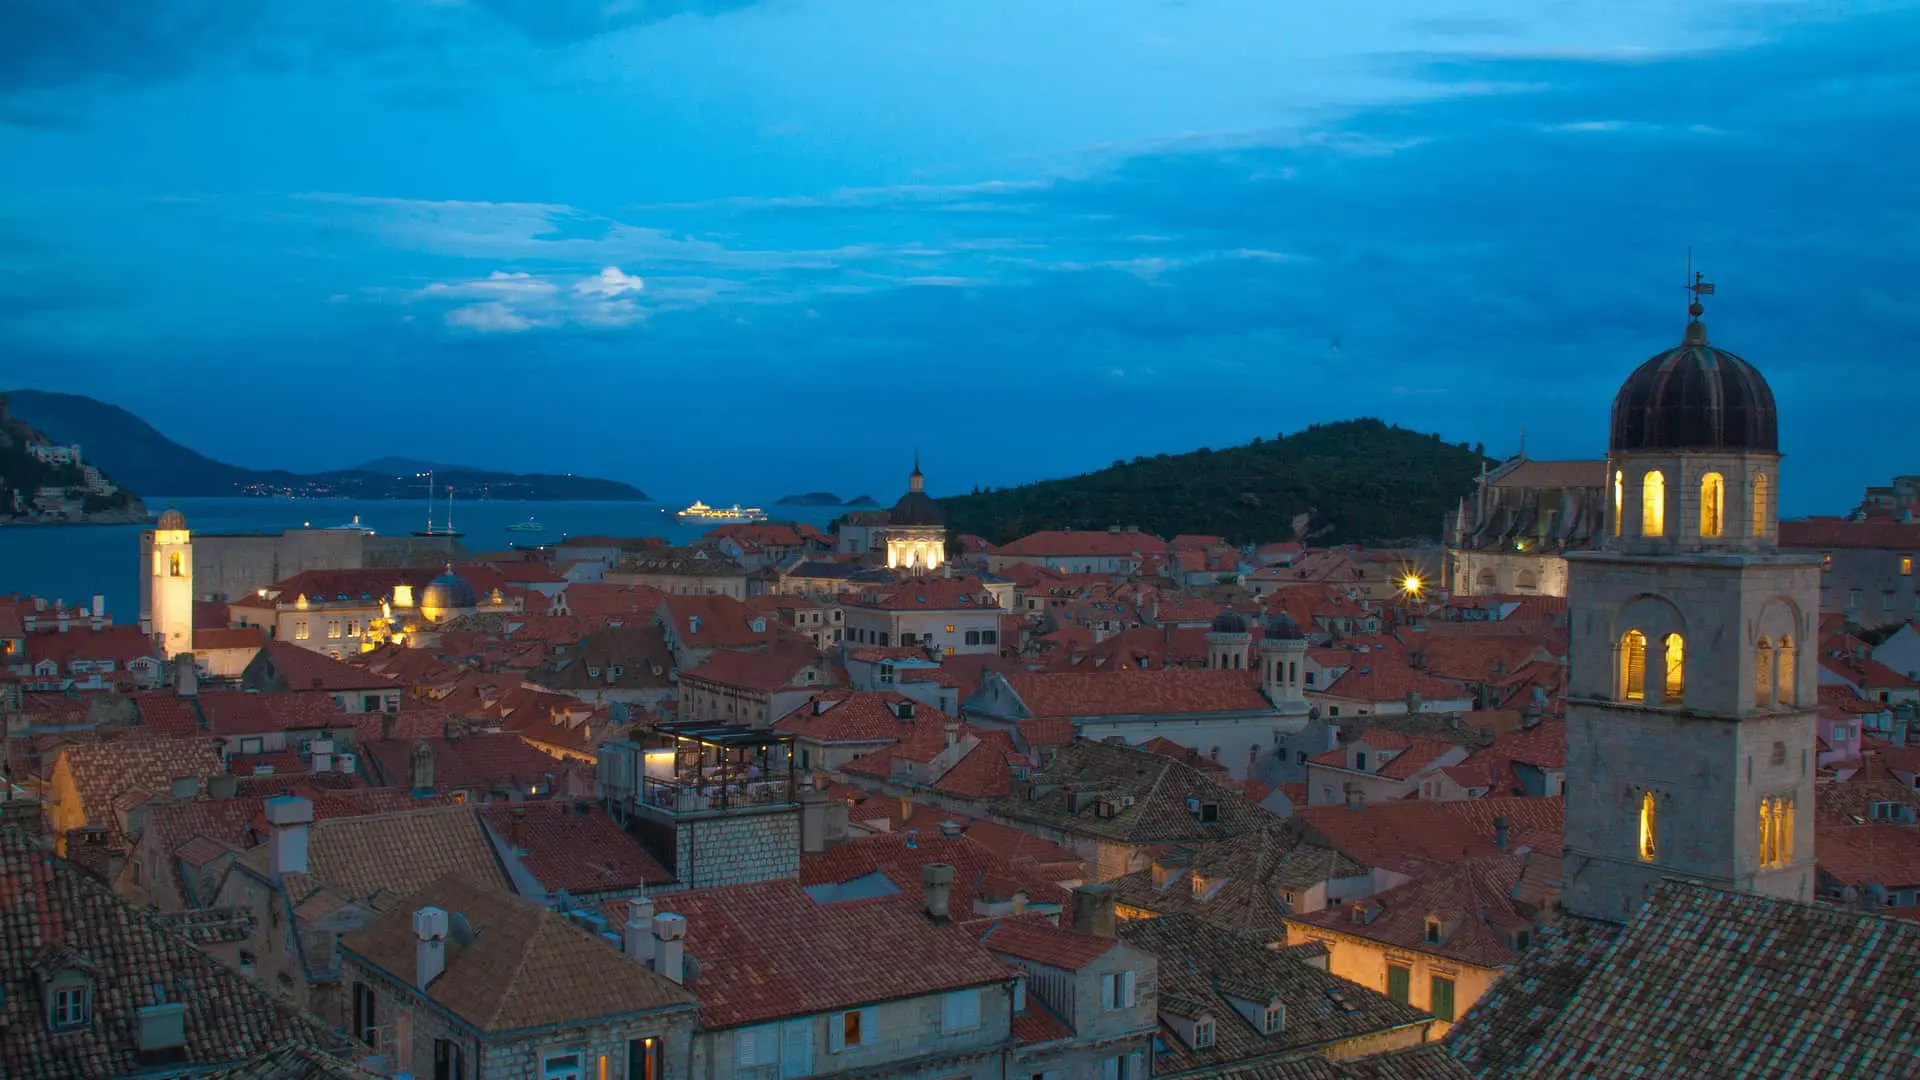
[(826, 498)]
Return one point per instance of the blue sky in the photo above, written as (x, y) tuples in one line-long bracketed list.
[(731, 248)]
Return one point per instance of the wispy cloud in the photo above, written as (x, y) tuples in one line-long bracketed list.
[(516, 301)]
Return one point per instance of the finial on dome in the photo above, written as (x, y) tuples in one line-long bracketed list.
[(1697, 288)]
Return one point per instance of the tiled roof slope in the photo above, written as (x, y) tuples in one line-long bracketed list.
[(526, 966), (573, 845), (102, 770), (399, 852), (293, 1061), (52, 916), (1197, 960), (1159, 787), (1131, 693), (1705, 982), (1243, 876), (767, 951), (1428, 1061), (1474, 896)]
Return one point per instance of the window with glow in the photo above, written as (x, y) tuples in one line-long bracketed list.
[(173, 564), (1676, 684), (1633, 666), (1653, 504), (1763, 675), (1619, 499), (1906, 566), (1776, 832), (1713, 518), (1759, 504), (1784, 692), (1647, 823)]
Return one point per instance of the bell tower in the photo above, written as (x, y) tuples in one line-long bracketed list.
[(168, 592), (1692, 680)]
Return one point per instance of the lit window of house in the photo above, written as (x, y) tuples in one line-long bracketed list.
[(1647, 814)]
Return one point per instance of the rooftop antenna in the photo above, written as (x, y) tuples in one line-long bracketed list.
[(1523, 443)]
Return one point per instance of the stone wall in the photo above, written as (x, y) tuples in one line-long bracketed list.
[(904, 1040), (738, 847)]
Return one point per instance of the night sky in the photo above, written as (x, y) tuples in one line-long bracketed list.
[(775, 246)]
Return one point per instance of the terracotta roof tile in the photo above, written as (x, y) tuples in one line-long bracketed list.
[(1415, 835), (1126, 693), (573, 845), (395, 852), (1044, 943)]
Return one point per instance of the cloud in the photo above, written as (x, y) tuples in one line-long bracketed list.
[(515, 301), (609, 283)]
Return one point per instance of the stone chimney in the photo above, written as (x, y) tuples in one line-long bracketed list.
[(1355, 800), (186, 676), (636, 940), (813, 821), (670, 946), (288, 817), (1093, 909), (1500, 833), (937, 878), (430, 945), (322, 751), (186, 787), (99, 606), (952, 829), (420, 770), (953, 732), (1413, 702)]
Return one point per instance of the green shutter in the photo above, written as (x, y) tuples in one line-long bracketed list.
[(1398, 979), (1441, 1001)]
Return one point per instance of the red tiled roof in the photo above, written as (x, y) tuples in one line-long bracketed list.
[(1044, 943), (1121, 693), (979, 870), (778, 667), (1862, 855), (573, 845), (767, 951), (1084, 545), (102, 770), (120, 644), (228, 637), (724, 622), (1890, 535), (926, 594), (1376, 677), (477, 761), (164, 713), (303, 670), (858, 716), (1415, 834), (239, 712), (1474, 896)]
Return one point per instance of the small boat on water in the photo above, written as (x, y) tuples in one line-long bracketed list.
[(527, 526), (352, 526), (700, 511)]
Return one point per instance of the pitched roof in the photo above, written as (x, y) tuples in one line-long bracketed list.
[(102, 770), (858, 716), (980, 873), (1130, 693), (1833, 533), (487, 761), (241, 712), (53, 917), (1415, 835), (767, 951), (1158, 786), (396, 853), (926, 594), (1427, 1061), (1071, 544), (1241, 878), (524, 966), (573, 845), (777, 667), (1756, 986), (1044, 943), (1473, 898)]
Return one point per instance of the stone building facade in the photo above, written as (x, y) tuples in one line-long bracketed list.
[(1690, 709), (1510, 536), (737, 846)]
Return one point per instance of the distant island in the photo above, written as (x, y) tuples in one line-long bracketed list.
[(861, 501), (1350, 482), (824, 498), (46, 483), (129, 449)]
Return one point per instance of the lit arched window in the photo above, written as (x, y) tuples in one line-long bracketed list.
[(173, 564), (1766, 833), (1785, 691), (1776, 832), (1676, 684), (1619, 498), (1653, 504), (1763, 675), (1646, 826), (1633, 666), (1759, 505), (1713, 507)]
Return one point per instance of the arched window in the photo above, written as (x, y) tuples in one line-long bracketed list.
[(1619, 499), (1633, 666), (1763, 674), (1526, 581), (1653, 504), (1776, 832), (1486, 579), (1759, 505), (1713, 506), (1785, 690), (1676, 684), (173, 565), (1766, 833), (1647, 847)]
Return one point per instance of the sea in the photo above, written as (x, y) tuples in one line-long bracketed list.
[(76, 562)]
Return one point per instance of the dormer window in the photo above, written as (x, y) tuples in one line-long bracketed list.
[(1433, 930), (1202, 1034), (593, 672), (1274, 1020), (69, 1002)]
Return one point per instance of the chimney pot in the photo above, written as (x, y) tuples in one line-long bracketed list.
[(1093, 910), (637, 937), (430, 945), (670, 946), (937, 880), (951, 829), (1355, 800), (1500, 827), (288, 817)]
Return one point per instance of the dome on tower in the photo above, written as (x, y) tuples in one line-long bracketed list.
[(172, 519), (916, 507), (448, 592), (1229, 622), (1695, 397), (1281, 627)]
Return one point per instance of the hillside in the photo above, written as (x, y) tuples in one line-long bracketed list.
[(1357, 480), (43, 491), (137, 455)]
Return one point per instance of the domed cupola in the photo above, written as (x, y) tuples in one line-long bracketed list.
[(1695, 398), (1229, 622), (1281, 627), (446, 595)]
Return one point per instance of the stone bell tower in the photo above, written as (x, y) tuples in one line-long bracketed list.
[(1691, 694)]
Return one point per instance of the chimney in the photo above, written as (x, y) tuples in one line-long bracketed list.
[(952, 829), (322, 750), (670, 946), (516, 829), (937, 878), (420, 770), (63, 619), (1354, 799), (637, 939), (186, 787), (430, 945), (222, 786), (99, 606), (1413, 702), (1500, 833), (813, 821), (163, 1033), (288, 817), (186, 676), (953, 732), (1093, 910)]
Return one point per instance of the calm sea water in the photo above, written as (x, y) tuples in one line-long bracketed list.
[(73, 562)]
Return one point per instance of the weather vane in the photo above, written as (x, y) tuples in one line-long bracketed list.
[(1697, 287)]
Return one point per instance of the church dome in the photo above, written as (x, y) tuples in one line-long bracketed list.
[(172, 519), (448, 592), (1281, 627), (1695, 397), (916, 508), (1229, 622)]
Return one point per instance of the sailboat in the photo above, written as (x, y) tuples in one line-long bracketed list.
[(528, 526), (446, 530)]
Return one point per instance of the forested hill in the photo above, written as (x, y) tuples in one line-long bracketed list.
[(1356, 480)]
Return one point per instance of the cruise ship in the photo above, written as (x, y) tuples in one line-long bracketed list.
[(700, 511)]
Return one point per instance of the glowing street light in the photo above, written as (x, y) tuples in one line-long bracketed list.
[(1411, 585)]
